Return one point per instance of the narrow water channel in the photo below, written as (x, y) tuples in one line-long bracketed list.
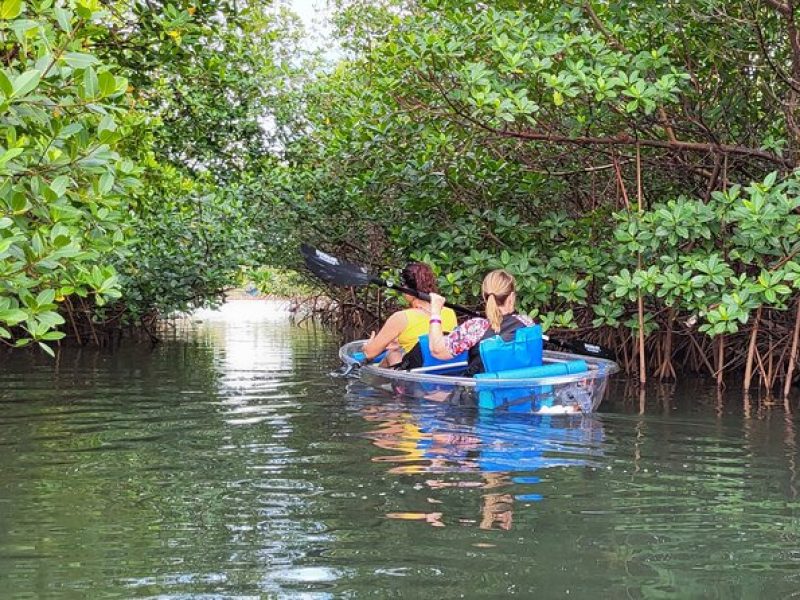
[(225, 463)]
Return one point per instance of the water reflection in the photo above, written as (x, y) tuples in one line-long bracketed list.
[(225, 463), (459, 447)]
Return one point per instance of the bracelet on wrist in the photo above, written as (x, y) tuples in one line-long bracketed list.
[(435, 320)]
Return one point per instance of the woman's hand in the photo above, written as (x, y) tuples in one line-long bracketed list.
[(435, 336), (437, 302)]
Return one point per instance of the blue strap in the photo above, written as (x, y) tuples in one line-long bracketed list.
[(362, 358)]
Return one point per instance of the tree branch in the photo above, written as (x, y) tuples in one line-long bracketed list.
[(782, 8), (624, 139)]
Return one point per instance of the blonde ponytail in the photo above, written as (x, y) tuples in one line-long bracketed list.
[(493, 313), (497, 287)]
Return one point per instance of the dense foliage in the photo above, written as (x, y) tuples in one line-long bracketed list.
[(64, 184), (633, 164), (138, 141)]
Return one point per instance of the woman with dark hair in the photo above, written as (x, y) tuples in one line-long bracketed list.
[(401, 331)]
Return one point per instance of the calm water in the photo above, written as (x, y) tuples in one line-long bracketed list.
[(226, 464)]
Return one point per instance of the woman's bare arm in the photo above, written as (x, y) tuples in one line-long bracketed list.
[(391, 329), (436, 339)]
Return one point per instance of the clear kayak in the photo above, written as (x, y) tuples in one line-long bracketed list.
[(581, 391)]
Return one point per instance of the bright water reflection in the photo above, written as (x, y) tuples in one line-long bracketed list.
[(461, 448), (226, 464)]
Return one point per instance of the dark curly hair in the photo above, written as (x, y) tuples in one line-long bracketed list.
[(419, 276)]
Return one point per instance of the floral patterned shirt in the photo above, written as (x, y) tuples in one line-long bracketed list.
[(469, 333)]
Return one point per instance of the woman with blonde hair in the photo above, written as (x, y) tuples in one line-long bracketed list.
[(500, 295)]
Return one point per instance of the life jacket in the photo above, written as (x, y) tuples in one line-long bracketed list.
[(508, 327)]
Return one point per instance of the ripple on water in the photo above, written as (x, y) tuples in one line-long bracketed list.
[(224, 463)]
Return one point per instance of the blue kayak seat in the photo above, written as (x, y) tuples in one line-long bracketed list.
[(549, 370), (429, 360), (524, 350), (524, 399)]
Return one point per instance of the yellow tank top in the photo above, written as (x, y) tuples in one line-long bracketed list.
[(418, 325)]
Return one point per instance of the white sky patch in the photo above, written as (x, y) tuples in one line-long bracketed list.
[(315, 15)]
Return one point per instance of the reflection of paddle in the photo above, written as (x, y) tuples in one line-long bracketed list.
[(338, 272)]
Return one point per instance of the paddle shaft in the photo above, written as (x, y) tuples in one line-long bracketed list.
[(577, 346), (424, 297), (333, 270)]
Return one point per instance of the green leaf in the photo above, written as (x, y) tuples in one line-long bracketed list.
[(90, 83), (45, 297), (9, 154), (107, 123), (106, 183), (21, 27), (64, 18), (26, 83), (79, 60), (59, 185), (10, 9), (121, 84), (52, 336), (108, 83), (84, 9), (5, 84), (47, 349), (12, 316), (50, 319)]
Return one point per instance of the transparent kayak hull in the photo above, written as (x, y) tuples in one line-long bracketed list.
[(562, 394)]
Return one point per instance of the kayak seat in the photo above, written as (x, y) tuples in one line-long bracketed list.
[(519, 358), (524, 399), (429, 360), (522, 351), (527, 399), (548, 370)]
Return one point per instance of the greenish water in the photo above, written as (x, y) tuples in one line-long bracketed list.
[(225, 463)]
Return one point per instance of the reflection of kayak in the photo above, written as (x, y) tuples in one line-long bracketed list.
[(563, 383), (503, 455)]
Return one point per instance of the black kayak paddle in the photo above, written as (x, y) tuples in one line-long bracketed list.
[(338, 272), (331, 269)]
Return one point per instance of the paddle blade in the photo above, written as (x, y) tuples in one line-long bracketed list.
[(584, 348), (334, 270)]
